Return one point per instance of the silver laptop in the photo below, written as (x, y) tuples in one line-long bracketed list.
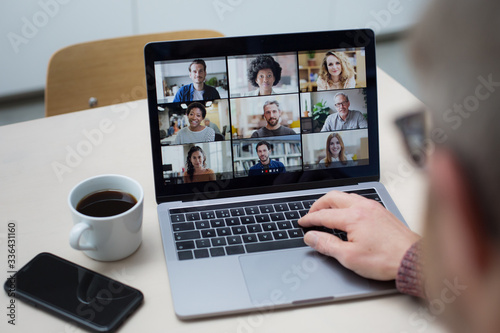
[(246, 133)]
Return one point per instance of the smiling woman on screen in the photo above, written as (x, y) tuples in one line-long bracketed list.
[(264, 73), (335, 153), (196, 164), (336, 72), (195, 132)]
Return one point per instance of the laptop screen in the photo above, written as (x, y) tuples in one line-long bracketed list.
[(258, 114)]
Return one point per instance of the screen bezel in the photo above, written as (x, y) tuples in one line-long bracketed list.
[(235, 46)]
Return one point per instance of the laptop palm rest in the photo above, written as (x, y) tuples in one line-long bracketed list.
[(300, 276)]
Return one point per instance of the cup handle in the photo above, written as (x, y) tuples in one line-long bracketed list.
[(75, 235)]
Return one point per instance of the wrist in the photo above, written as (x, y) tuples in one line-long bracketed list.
[(410, 278)]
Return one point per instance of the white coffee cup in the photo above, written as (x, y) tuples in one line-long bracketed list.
[(112, 237)]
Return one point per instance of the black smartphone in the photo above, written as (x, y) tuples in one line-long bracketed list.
[(87, 298)]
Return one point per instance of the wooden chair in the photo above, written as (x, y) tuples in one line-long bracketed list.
[(103, 72)]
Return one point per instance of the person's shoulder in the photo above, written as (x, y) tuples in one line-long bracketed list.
[(184, 130), (180, 135), (211, 92), (259, 133), (288, 130), (355, 115), (360, 117), (253, 93), (255, 166), (331, 117), (184, 88), (212, 89), (182, 94), (350, 83)]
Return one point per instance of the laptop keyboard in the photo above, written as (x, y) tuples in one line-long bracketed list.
[(238, 228)]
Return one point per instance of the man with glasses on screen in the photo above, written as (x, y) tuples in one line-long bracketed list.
[(456, 266), (344, 118)]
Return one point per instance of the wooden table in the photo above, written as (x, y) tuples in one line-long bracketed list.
[(41, 160)]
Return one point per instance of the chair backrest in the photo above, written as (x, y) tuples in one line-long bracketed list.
[(103, 72)]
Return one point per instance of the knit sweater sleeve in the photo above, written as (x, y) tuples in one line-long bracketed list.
[(410, 278)]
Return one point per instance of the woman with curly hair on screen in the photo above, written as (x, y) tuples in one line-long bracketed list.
[(264, 73), (336, 72), (196, 164), (335, 153)]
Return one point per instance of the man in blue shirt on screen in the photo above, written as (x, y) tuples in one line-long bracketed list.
[(265, 164), (198, 90)]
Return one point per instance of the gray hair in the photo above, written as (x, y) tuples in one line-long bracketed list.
[(460, 76), (271, 102), (342, 94)]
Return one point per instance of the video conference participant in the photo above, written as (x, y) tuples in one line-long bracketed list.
[(264, 73), (213, 126), (195, 132), (335, 153), (272, 115), (197, 90), (336, 72), (196, 167), (265, 164), (344, 118)]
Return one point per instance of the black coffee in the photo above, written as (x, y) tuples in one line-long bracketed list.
[(106, 203)]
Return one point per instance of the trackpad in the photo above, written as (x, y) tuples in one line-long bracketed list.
[(298, 276)]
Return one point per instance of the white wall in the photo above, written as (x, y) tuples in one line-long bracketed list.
[(32, 30)]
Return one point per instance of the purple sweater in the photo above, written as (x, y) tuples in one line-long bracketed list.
[(410, 278)]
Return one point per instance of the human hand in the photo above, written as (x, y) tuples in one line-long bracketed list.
[(377, 240)]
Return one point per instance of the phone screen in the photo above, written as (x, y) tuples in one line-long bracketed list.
[(74, 292)]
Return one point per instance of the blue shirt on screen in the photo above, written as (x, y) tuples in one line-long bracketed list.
[(261, 169), (185, 94)]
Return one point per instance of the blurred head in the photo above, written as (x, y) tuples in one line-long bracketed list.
[(264, 71), (456, 54), (198, 71), (336, 67), (335, 149), (342, 105), (263, 149), (272, 113)]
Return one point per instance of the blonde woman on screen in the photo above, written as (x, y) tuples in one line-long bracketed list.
[(336, 72)]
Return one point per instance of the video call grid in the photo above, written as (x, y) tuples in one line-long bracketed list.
[(299, 92)]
